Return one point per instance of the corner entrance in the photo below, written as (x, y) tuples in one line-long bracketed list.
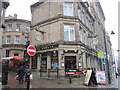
[(70, 62)]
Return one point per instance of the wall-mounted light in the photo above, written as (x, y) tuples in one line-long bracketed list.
[(62, 64), (80, 54), (79, 64)]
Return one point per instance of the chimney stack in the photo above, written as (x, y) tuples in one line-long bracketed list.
[(15, 16)]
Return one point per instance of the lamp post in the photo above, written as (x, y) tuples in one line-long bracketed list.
[(106, 57)]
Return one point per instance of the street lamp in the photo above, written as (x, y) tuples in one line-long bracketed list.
[(106, 57)]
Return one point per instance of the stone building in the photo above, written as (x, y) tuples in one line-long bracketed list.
[(15, 36), (3, 6), (67, 35), (60, 34), (104, 44)]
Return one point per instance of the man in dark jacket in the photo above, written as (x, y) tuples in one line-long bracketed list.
[(5, 69), (21, 73), (93, 80)]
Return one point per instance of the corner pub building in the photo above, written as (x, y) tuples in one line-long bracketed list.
[(59, 32)]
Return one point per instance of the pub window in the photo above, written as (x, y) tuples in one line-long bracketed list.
[(7, 53), (44, 61), (16, 54), (34, 62), (54, 60)]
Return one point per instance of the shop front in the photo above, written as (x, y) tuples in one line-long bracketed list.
[(57, 59)]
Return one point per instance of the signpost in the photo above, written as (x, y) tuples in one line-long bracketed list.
[(31, 50), (100, 55), (87, 77)]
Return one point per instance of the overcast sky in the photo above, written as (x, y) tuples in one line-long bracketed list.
[(110, 8)]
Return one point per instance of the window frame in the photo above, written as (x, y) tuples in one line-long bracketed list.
[(68, 29), (18, 27), (17, 41), (27, 29), (8, 40), (67, 11), (9, 27)]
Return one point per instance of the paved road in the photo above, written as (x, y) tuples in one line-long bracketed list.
[(119, 82), (44, 83), (0, 81)]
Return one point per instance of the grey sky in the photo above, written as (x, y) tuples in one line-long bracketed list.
[(110, 8)]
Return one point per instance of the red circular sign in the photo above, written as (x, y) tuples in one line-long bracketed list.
[(31, 50)]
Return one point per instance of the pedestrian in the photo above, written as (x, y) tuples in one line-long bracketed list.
[(93, 80), (21, 74), (28, 79), (116, 74), (5, 70), (26, 72)]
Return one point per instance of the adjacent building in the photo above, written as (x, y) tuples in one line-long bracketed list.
[(15, 36), (3, 6)]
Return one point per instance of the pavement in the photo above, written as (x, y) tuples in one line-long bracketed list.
[(38, 82)]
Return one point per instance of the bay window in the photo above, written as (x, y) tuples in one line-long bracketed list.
[(69, 33)]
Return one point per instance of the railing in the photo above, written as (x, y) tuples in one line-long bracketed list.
[(52, 74), (56, 73)]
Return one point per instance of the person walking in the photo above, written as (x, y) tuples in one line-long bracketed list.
[(93, 80), (26, 72), (5, 69), (21, 74)]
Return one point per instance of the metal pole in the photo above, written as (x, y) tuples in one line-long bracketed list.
[(106, 58), (57, 72), (28, 81), (48, 73), (70, 80)]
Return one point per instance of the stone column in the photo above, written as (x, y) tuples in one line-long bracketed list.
[(48, 62), (84, 60), (38, 61), (61, 60), (30, 62)]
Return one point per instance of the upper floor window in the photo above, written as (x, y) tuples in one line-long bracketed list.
[(69, 33), (17, 40), (81, 36), (68, 9), (27, 29), (8, 39), (7, 53), (87, 22), (79, 13), (9, 28), (26, 39), (83, 18), (18, 27)]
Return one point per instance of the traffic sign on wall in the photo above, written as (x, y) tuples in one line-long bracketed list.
[(31, 50)]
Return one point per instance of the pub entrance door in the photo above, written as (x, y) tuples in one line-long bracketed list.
[(70, 62)]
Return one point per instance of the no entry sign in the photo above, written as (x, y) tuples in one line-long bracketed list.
[(31, 50)]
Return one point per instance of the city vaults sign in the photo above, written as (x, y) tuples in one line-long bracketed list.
[(100, 55)]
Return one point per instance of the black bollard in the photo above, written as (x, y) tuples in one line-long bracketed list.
[(48, 73), (70, 80), (28, 80), (40, 73), (57, 72)]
